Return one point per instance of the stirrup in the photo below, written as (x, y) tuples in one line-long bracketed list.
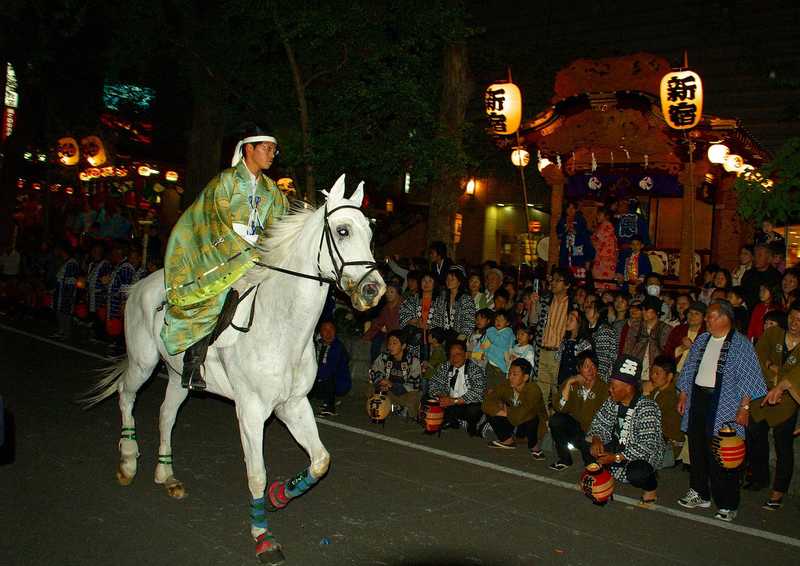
[(193, 359)]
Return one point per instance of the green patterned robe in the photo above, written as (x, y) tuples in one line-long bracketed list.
[(205, 256)]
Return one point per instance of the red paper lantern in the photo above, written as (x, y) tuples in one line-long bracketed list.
[(597, 484), (434, 416), (81, 311), (101, 313), (729, 449), (114, 327)]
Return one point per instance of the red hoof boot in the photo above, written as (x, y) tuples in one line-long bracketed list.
[(267, 550), (276, 496)]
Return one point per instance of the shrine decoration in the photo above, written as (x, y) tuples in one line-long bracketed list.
[(717, 153), (93, 149), (681, 96), (68, 151), (520, 156), (503, 102)]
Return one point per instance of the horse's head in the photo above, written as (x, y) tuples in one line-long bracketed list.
[(345, 248)]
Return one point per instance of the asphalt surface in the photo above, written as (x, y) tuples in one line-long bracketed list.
[(383, 502)]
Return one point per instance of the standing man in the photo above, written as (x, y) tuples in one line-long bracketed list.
[(440, 263), (762, 273), (552, 309), (720, 377), (779, 354), (211, 247), (645, 339)]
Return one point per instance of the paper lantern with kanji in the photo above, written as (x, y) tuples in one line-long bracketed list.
[(94, 150), (68, 151), (378, 408), (520, 157), (503, 102), (597, 484), (682, 99)]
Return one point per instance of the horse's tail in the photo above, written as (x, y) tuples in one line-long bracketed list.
[(107, 386)]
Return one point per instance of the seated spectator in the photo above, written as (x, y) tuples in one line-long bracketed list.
[(740, 310), (475, 287), (707, 277), (497, 344), (682, 337), (661, 389), (766, 295), (626, 432), (501, 300), (581, 397), (576, 340), (459, 385), (386, 321), (603, 340), (333, 369), (777, 351), (438, 342), (523, 348), (515, 409), (773, 319), (484, 320), (494, 280), (397, 373), (647, 338), (413, 279)]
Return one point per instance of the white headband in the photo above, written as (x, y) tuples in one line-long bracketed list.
[(237, 153)]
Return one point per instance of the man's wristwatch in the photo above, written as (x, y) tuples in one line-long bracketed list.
[(745, 407), (618, 458)]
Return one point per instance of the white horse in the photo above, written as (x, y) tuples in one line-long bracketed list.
[(269, 369)]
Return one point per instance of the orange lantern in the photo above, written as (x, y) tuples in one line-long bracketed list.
[(378, 408), (503, 102), (597, 484), (171, 176), (114, 327), (68, 151), (682, 99), (729, 449)]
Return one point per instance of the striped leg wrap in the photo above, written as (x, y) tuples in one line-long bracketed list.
[(265, 542), (128, 433), (165, 459), (258, 513), (281, 492)]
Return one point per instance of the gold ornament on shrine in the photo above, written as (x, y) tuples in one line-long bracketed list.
[(682, 99), (503, 103), (68, 151)]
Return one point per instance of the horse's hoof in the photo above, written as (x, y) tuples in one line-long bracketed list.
[(274, 556), (122, 479), (175, 488)]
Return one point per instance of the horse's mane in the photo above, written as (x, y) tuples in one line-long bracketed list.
[(278, 244)]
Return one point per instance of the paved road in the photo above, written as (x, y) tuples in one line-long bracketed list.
[(385, 501)]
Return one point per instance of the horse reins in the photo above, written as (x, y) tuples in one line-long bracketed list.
[(338, 266)]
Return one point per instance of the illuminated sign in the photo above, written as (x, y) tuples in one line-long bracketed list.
[(11, 97)]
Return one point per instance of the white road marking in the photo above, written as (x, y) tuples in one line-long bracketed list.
[(766, 535)]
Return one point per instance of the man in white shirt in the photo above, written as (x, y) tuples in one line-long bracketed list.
[(459, 385)]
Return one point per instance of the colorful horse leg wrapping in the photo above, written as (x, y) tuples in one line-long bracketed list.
[(281, 492), (258, 513), (128, 433)]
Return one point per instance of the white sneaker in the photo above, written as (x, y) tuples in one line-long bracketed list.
[(727, 515), (693, 500)]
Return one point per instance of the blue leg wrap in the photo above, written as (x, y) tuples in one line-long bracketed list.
[(258, 513), (300, 484)]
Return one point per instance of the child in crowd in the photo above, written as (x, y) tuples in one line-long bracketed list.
[(333, 369), (756, 327), (775, 318), (523, 348), (661, 389), (496, 344), (742, 315), (438, 339), (484, 318)]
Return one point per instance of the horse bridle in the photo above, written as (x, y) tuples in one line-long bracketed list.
[(338, 266)]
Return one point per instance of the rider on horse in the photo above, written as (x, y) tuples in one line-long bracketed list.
[(210, 248)]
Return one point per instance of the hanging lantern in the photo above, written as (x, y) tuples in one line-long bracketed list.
[(470, 187), (171, 176), (36, 186), (107, 171), (94, 172), (733, 163), (84, 176), (120, 172), (520, 157), (69, 191), (717, 153), (682, 99), (68, 151), (503, 107), (543, 163), (389, 205), (729, 449), (144, 170), (597, 484), (94, 151)]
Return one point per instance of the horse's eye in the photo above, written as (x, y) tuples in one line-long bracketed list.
[(342, 231)]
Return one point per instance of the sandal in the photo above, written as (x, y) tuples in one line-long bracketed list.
[(558, 466), (498, 444), (773, 504), (537, 454), (647, 503)]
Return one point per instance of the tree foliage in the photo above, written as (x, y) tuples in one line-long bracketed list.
[(757, 200)]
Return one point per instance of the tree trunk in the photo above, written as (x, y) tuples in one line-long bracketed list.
[(455, 94), (204, 157)]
